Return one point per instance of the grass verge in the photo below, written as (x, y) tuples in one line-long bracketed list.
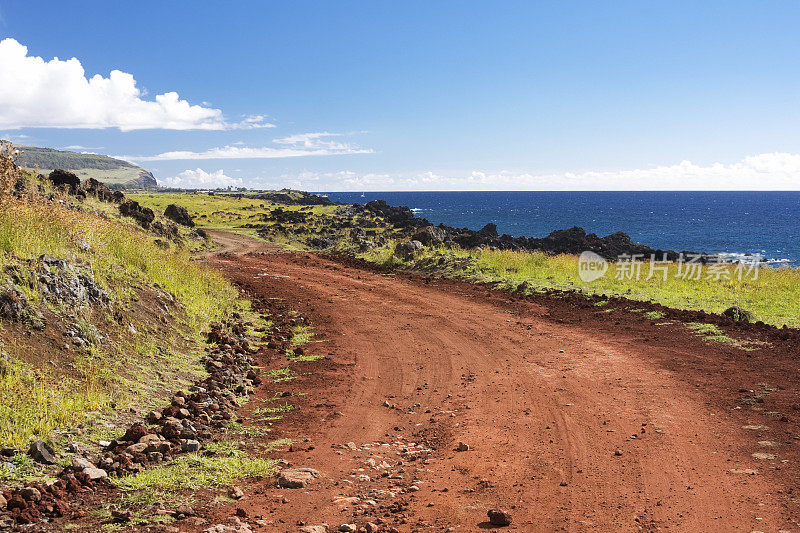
[(197, 471)]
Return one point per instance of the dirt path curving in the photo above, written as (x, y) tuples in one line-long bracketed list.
[(576, 419)]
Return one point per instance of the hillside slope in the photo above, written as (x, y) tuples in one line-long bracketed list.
[(115, 173)]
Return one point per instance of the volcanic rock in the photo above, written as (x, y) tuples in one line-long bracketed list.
[(737, 314), (31, 494), (144, 216), (179, 214), (430, 235), (98, 189), (66, 179), (42, 453), (407, 250), (499, 517)]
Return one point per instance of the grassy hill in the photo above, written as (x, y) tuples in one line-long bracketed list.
[(115, 173)]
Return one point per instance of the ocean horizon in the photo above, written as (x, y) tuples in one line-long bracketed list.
[(736, 223)]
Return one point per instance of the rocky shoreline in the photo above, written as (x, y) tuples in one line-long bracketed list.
[(565, 241), (574, 240)]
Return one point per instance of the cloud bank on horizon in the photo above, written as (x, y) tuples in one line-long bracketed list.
[(773, 171), (200, 179)]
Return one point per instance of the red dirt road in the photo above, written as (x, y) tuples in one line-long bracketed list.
[(577, 419)]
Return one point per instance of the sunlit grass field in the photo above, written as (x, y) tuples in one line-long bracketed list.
[(116, 252), (219, 211), (773, 296)]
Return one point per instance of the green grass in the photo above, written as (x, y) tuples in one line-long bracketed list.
[(283, 408), (196, 471), (774, 297), (654, 315), (34, 402), (237, 428), (277, 444), (33, 405), (301, 335), (279, 375), (23, 468), (710, 332), (221, 211), (117, 254), (307, 358)]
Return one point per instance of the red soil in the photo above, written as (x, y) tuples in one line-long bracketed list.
[(577, 419)]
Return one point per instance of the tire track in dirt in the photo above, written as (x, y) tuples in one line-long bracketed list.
[(543, 405)]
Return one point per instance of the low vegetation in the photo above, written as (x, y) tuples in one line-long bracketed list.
[(121, 351), (195, 471), (774, 296), (113, 172), (710, 332), (33, 404)]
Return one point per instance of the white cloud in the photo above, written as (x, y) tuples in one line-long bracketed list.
[(58, 94), (313, 141), (82, 149), (200, 179), (251, 122), (300, 145), (771, 171), (15, 138)]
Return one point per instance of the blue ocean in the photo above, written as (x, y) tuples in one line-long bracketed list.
[(766, 223)]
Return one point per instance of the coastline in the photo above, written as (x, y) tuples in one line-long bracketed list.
[(716, 222)]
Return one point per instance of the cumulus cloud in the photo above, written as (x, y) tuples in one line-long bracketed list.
[(771, 171), (200, 179), (58, 94), (300, 145)]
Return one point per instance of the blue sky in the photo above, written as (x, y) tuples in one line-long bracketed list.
[(416, 95)]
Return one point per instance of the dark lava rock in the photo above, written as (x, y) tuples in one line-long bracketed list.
[(66, 179), (489, 230), (738, 314), (407, 250), (42, 453), (321, 242), (287, 197), (499, 517), (98, 189), (179, 214), (430, 235), (12, 304), (31, 494), (143, 215), (400, 216), (282, 216)]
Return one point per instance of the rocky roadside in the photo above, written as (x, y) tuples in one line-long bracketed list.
[(192, 418)]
